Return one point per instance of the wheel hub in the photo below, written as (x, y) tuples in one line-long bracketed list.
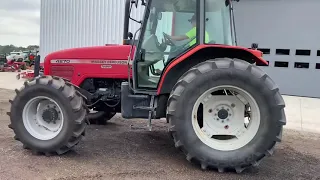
[(50, 115), (223, 114)]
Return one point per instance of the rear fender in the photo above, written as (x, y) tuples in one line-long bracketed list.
[(199, 54)]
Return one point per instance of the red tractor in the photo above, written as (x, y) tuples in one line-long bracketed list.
[(222, 110)]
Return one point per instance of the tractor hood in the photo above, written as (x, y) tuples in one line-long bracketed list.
[(110, 52), (77, 64)]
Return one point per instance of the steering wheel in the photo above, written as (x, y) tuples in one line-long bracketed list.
[(168, 39)]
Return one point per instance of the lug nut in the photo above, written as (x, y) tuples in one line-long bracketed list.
[(228, 109), (222, 121), (226, 127), (218, 119), (210, 110), (233, 105)]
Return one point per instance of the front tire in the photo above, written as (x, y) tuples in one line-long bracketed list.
[(194, 132), (48, 116)]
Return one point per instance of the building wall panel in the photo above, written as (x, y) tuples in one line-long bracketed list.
[(288, 32), (80, 23)]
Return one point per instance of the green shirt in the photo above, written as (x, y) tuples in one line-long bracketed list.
[(193, 33)]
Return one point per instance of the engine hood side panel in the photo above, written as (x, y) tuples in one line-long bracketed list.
[(91, 62)]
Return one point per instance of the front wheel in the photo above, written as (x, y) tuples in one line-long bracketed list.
[(48, 116), (226, 114)]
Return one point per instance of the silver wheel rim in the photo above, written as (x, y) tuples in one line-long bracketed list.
[(36, 121), (224, 126)]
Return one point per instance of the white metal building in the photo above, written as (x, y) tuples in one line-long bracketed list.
[(79, 23), (286, 30)]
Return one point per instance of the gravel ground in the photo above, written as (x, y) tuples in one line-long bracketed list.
[(116, 152)]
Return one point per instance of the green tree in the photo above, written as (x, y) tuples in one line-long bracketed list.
[(6, 49)]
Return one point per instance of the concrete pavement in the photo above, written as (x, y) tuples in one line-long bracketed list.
[(302, 113), (8, 80)]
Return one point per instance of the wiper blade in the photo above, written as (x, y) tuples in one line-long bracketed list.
[(135, 20)]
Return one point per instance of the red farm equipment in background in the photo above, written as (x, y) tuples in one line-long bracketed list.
[(9, 65)]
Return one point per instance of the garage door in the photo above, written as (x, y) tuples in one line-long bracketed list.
[(288, 32)]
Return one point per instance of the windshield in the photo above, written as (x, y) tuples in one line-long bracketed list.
[(174, 19)]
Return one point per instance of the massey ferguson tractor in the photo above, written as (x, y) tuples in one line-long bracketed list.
[(182, 64)]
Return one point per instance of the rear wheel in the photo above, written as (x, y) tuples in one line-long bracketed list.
[(48, 116), (226, 114)]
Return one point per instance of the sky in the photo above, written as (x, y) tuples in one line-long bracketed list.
[(20, 22)]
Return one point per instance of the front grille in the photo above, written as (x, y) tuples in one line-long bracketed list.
[(62, 71)]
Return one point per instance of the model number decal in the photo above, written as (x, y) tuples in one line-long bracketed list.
[(87, 61), (62, 61)]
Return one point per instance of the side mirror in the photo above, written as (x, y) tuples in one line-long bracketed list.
[(128, 41), (130, 35)]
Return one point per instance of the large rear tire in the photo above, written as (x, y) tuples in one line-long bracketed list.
[(48, 116), (216, 136)]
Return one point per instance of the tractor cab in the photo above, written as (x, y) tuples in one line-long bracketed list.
[(170, 29)]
